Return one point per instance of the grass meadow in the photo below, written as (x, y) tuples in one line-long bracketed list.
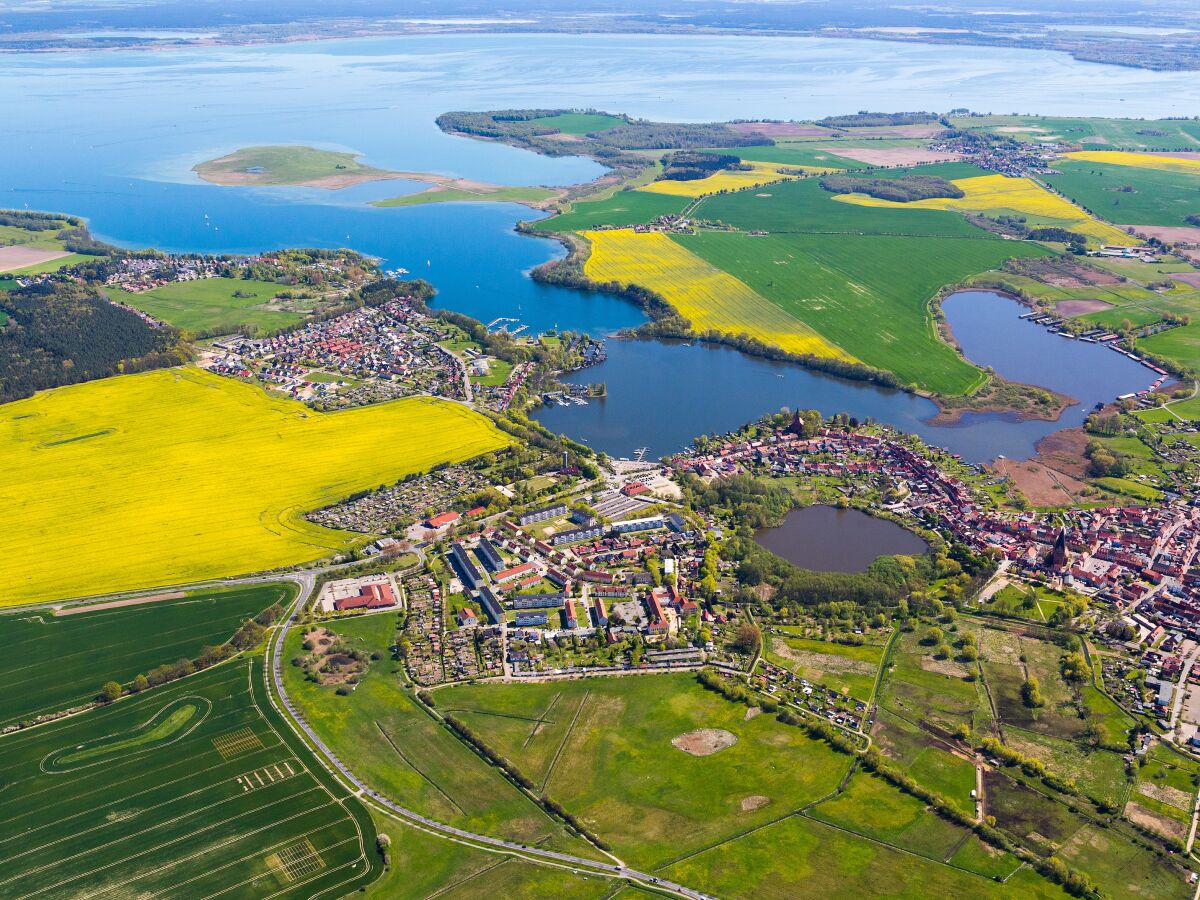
[(1101, 134), (603, 749), (627, 207), (57, 661), (844, 668), (1129, 195), (579, 123), (285, 164), (230, 804), (209, 304), (175, 476)]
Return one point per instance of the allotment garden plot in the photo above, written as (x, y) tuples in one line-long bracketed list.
[(194, 790)]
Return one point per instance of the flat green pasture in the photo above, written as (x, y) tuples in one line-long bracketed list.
[(1128, 195), (56, 662), (1122, 869), (803, 205), (514, 194), (800, 857), (835, 283), (283, 164), (1179, 344), (41, 240), (1093, 134), (579, 123), (1031, 817), (920, 688), (233, 803), (846, 669), (794, 155), (209, 304), (401, 750), (1099, 773), (603, 749), (622, 208)]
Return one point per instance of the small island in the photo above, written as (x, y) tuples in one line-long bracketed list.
[(291, 165)]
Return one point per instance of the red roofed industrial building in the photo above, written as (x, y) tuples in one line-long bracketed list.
[(373, 596), (441, 520)]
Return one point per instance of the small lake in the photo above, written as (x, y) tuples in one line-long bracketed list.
[(828, 539)]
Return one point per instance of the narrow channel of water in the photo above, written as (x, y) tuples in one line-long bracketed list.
[(829, 539)]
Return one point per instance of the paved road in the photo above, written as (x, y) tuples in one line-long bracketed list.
[(296, 719)]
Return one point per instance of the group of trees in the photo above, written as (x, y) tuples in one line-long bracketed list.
[(686, 165), (1103, 461), (905, 189), (64, 333), (865, 119)]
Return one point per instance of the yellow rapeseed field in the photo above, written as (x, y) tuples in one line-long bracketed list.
[(996, 194), (708, 297), (759, 173), (179, 475), (1180, 164)]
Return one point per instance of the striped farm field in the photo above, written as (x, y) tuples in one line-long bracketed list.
[(193, 789), (711, 299), (759, 173), (1185, 165), (997, 194), (176, 476)]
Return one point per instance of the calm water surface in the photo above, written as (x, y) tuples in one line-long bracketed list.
[(112, 136), (837, 540)]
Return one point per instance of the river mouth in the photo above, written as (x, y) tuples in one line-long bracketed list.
[(829, 539)]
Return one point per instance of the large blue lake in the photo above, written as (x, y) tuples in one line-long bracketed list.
[(113, 136)]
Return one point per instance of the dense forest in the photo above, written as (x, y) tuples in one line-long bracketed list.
[(877, 119), (687, 165), (899, 190), (58, 334)]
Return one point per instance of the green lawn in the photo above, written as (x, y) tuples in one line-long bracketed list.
[(846, 669), (209, 304), (389, 740), (58, 661), (222, 805), (579, 123), (835, 283), (800, 857), (603, 748), (622, 208), (1156, 198)]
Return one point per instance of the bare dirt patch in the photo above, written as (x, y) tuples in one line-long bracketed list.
[(906, 131), (1061, 272), (1063, 451), (1071, 308), (135, 601), (894, 156), (779, 129), (753, 802), (1178, 154), (1192, 278), (1147, 818), (1169, 234), (830, 663), (329, 662), (705, 741), (1164, 793), (18, 257), (751, 713), (943, 667), (1041, 484)]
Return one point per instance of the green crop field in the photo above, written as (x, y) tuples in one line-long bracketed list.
[(603, 749), (836, 283), (795, 155), (396, 746), (804, 206), (1128, 195), (58, 661), (196, 789), (800, 857), (579, 123), (209, 304), (622, 208), (1093, 134)]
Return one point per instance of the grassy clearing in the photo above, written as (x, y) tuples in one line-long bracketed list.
[(995, 195), (396, 746), (849, 670), (210, 304), (1129, 195), (835, 284), (800, 857), (805, 206), (1122, 869), (711, 299), (579, 123), (618, 771), (622, 208), (500, 194), (83, 650), (276, 165), (233, 800), (194, 476), (1099, 773)]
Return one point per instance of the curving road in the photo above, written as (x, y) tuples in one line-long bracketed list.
[(294, 718)]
